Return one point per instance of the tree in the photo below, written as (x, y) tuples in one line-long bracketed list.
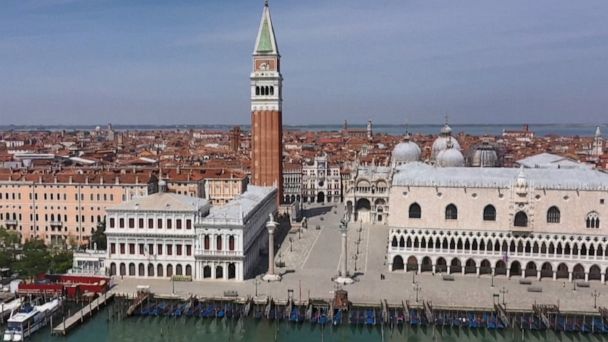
[(34, 260), (99, 236), (8, 240), (61, 261)]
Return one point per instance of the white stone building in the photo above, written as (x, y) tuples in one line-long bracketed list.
[(321, 182), (153, 236), (231, 239), (544, 223)]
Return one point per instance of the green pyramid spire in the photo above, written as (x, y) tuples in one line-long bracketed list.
[(266, 42)]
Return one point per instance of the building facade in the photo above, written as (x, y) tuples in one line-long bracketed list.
[(543, 223), (367, 195), (231, 239), (321, 182), (266, 108), (65, 208), (154, 236), (292, 183)]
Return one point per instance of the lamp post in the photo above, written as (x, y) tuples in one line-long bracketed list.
[(343, 277), (595, 294), (504, 291), (417, 289)]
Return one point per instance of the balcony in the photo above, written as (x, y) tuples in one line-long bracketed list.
[(55, 223), (10, 222), (202, 252)]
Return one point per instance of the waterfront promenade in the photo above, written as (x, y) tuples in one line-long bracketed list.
[(311, 260)]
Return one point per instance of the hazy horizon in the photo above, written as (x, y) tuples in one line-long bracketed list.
[(79, 62)]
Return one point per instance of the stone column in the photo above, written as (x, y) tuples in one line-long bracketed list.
[(270, 275), (343, 277), (508, 273), (602, 277), (570, 276), (586, 276), (554, 275), (477, 271), (433, 269)]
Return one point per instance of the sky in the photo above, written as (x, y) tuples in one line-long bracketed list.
[(391, 61)]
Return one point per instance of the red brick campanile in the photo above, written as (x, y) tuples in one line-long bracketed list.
[(266, 107)]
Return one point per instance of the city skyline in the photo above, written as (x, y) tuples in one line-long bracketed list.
[(70, 61)]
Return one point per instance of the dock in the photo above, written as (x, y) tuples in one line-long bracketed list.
[(86, 312)]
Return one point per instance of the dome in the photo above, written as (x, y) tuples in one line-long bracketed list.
[(446, 129), (484, 155), (405, 152), (441, 143), (450, 157)]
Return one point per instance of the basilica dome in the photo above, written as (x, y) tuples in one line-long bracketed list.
[(405, 152), (484, 155), (441, 143), (450, 157)]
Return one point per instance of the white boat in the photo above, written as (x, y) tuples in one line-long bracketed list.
[(7, 308), (29, 319)]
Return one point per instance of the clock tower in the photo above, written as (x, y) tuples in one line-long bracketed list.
[(266, 106)]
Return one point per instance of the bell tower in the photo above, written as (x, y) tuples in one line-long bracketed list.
[(266, 108)]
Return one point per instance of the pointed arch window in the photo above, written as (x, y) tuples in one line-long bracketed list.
[(553, 215), (451, 212), (521, 219), (489, 213), (593, 220), (415, 211)]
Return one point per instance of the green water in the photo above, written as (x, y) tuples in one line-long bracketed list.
[(100, 328)]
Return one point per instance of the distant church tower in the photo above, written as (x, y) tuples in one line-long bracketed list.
[(598, 143), (266, 108)]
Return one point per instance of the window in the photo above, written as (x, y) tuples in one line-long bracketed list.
[(178, 224), (131, 248), (169, 223), (122, 248), (150, 223), (131, 223), (451, 212), (231, 243), (159, 223), (141, 223), (521, 219), (489, 213), (121, 223), (188, 250), (218, 243), (151, 249), (169, 249), (141, 249), (178, 249), (206, 242), (593, 220), (159, 249), (112, 248), (188, 224), (553, 215), (415, 211)]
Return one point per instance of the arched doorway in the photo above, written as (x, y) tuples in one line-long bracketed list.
[(321, 197), (398, 263), (470, 266), (169, 270), (427, 265), (231, 271), (455, 266), (546, 270), (150, 270), (178, 270), (188, 270), (562, 271), (515, 269), (485, 267), (578, 272), (363, 209), (441, 265), (219, 272), (207, 271), (141, 270), (159, 270), (412, 264), (530, 269), (112, 269), (595, 273), (132, 269), (501, 267)]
